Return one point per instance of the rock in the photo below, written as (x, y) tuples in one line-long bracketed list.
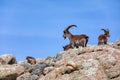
[(38, 68), (7, 59), (48, 69), (50, 61), (113, 72), (31, 60), (90, 67), (10, 72), (117, 42), (95, 63), (27, 76), (89, 63), (26, 65), (38, 60)]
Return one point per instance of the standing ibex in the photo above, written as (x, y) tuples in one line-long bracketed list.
[(102, 39), (75, 40)]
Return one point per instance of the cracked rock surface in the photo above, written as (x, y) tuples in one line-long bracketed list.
[(89, 63)]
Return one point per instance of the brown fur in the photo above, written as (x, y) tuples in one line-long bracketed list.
[(102, 39), (75, 40), (31, 60), (79, 40), (67, 47)]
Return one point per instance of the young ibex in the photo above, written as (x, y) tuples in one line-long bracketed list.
[(67, 47), (75, 40), (102, 39)]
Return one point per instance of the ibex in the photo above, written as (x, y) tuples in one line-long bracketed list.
[(75, 40), (67, 47), (102, 39)]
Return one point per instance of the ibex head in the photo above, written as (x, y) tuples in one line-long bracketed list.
[(66, 32), (106, 32)]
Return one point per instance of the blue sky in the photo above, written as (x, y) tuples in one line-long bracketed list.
[(35, 27)]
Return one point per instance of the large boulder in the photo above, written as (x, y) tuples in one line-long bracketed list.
[(7, 59), (89, 63), (117, 42), (10, 72)]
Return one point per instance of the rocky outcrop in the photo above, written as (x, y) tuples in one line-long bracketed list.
[(10, 72), (116, 44), (90, 63), (7, 59)]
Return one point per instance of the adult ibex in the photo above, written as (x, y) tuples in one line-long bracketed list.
[(75, 40)]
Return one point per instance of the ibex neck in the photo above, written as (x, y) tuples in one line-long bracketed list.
[(70, 36), (107, 35)]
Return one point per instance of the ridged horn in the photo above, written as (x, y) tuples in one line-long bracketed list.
[(104, 30), (68, 27)]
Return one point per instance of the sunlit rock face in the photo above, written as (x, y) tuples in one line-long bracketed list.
[(10, 72), (7, 59), (90, 63)]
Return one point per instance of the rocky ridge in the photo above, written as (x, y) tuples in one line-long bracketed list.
[(90, 63)]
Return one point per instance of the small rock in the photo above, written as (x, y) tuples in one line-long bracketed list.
[(47, 70), (117, 42), (24, 76)]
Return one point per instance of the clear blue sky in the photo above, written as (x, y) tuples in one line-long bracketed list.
[(35, 27)]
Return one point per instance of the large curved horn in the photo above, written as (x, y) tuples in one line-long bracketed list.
[(68, 27), (104, 30)]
